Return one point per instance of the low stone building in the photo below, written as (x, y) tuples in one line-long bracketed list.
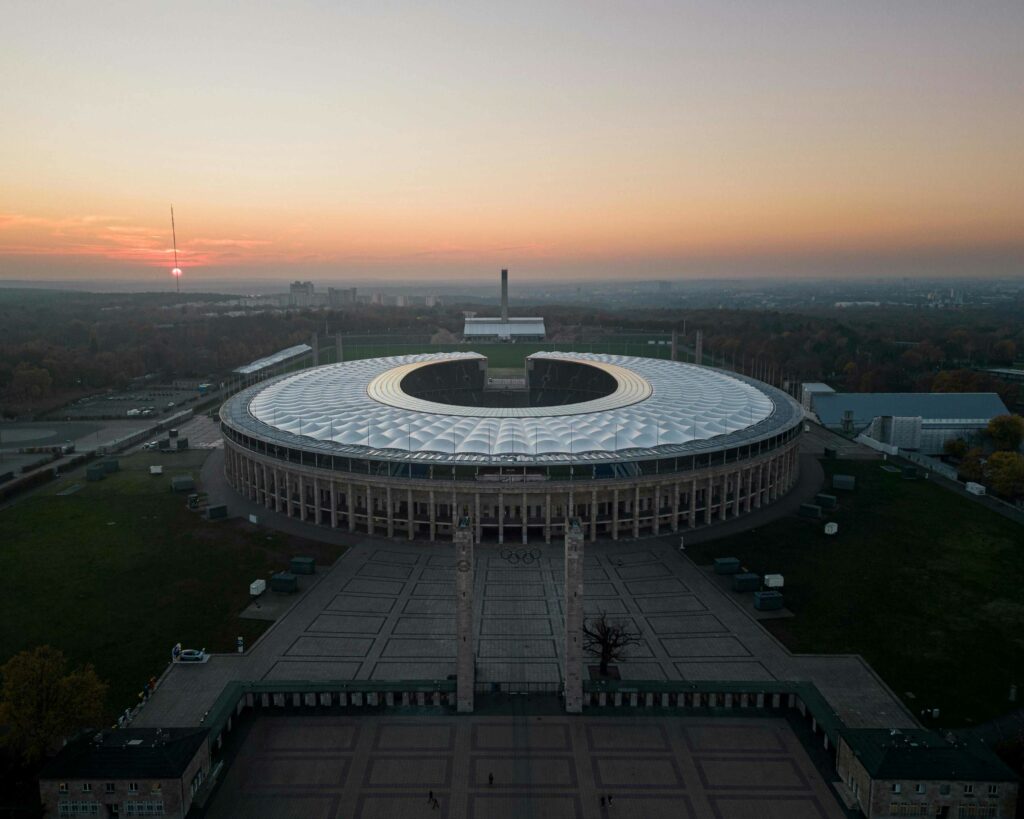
[(921, 773), (130, 772)]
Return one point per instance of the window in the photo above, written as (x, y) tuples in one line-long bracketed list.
[(919, 788), (150, 807), (63, 787), (968, 790), (133, 787), (993, 790), (944, 789), (109, 787), (907, 809), (73, 808), (977, 812), (86, 787), (897, 787)]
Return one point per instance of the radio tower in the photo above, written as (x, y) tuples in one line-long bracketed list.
[(175, 271)]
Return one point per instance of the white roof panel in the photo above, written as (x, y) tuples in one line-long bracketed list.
[(657, 403), (276, 358)]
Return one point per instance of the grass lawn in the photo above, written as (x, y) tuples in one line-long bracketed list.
[(926, 585), (118, 572)]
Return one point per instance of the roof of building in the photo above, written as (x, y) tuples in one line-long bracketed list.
[(359, 407), (817, 386), (271, 360), (925, 755), (494, 326), (930, 406), (129, 753)]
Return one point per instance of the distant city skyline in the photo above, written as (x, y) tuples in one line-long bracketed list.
[(563, 141)]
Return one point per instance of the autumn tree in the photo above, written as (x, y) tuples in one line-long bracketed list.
[(607, 640), (971, 466), (42, 702), (1006, 432), (955, 447), (1005, 471)]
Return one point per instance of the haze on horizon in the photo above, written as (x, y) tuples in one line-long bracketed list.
[(567, 140)]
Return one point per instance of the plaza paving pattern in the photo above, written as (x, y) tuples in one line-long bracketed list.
[(385, 611), (371, 767)]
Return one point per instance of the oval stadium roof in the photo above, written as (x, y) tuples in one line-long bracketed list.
[(659, 405)]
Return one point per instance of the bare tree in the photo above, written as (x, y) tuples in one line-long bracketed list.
[(607, 640)]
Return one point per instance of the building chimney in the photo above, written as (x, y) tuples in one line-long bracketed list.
[(504, 296)]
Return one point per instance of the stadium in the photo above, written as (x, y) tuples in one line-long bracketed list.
[(405, 446)]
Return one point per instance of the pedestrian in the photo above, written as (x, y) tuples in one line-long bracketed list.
[(437, 805), (430, 796), (602, 801), (490, 779), (609, 800)]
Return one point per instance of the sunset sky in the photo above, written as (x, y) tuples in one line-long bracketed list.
[(353, 140)]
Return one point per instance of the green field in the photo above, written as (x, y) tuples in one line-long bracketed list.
[(119, 571), (928, 586)]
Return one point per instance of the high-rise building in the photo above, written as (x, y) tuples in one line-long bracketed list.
[(300, 294)]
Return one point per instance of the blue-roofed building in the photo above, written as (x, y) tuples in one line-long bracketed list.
[(908, 420)]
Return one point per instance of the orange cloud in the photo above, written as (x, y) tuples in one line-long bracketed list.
[(109, 237)]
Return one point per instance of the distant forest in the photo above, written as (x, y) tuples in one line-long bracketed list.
[(59, 345)]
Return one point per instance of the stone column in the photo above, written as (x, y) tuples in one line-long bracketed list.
[(723, 504), (302, 497), (593, 516), (369, 509), (334, 505), (266, 488), (656, 509), (636, 510), (433, 516), (501, 518), (692, 519), (709, 494), (547, 517), (675, 506), (316, 500), (412, 516), (465, 659), (525, 517), (615, 514), (389, 512), (350, 507), (573, 617), (736, 494), (476, 520)]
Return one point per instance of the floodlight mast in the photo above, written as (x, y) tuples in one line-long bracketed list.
[(176, 272)]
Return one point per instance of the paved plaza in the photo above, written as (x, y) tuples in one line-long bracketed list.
[(371, 767), (386, 611)]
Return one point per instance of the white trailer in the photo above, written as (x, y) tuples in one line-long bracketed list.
[(975, 488)]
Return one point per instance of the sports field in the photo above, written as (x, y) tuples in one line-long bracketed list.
[(116, 572), (925, 584)]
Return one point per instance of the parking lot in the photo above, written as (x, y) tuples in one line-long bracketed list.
[(142, 404)]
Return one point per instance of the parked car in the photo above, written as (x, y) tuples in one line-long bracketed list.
[(192, 655)]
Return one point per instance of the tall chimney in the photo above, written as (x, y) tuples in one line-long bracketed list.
[(504, 296)]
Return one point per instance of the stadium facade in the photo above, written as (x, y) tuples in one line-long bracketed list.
[(406, 446)]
